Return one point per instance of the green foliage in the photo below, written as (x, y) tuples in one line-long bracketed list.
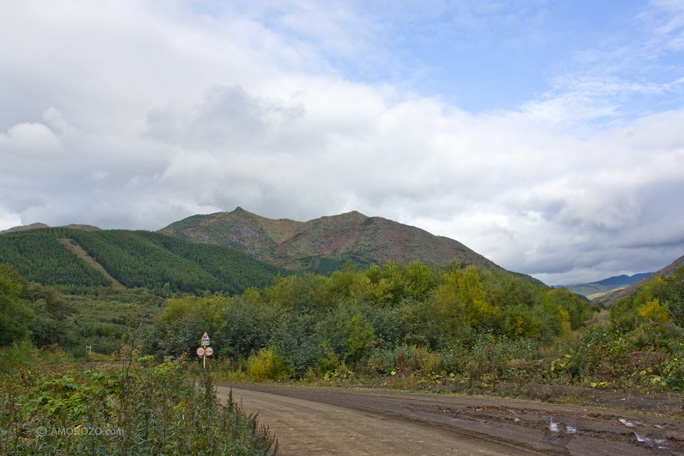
[(267, 365), (31, 310), (406, 359), (51, 323), (567, 304), (653, 311), (139, 409), (359, 336), (15, 314), (374, 321), (609, 355), (39, 257), (661, 299), (182, 322), (103, 318), (673, 372), (133, 258), (14, 357), (151, 260), (299, 294)]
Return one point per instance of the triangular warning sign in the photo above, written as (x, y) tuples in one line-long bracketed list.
[(205, 336)]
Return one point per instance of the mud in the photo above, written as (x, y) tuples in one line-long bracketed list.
[(317, 421)]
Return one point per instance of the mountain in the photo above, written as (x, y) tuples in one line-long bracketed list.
[(33, 226), (324, 244), (622, 280), (606, 285), (621, 293), (37, 226), (130, 259)]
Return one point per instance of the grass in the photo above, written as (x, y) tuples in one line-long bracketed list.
[(52, 406), (103, 318)]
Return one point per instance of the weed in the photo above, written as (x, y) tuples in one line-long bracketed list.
[(140, 408)]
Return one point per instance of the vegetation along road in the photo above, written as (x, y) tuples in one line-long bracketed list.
[(316, 421)]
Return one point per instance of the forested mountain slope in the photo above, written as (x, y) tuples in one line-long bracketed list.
[(132, 258)]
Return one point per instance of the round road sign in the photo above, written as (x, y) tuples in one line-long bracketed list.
[(208, 351), (200, 351)]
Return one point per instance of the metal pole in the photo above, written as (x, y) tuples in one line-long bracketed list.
[(204, 361)]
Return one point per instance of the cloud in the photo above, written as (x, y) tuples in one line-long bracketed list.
[(29, 140), (137, 114), (540, 203), (226, 116), (58, 123), (667, 19)]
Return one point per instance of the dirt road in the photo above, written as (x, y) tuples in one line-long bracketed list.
[(315, 421)]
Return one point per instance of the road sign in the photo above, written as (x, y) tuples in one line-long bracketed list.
[(209, 351), (204, 342), (200, 351), (205, 336)]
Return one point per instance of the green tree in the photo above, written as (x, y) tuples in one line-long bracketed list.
[(15, 315), (359, 336), (182, 322), (50, 324)]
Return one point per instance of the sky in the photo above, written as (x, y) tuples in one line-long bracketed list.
[(545, 135)]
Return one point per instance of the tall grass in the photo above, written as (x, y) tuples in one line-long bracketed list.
[(136, 408)]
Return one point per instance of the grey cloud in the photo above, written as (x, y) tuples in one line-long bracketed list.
[(227, 117), (227, 112), (16, 201)]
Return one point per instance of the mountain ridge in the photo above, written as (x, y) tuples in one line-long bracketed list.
[(623, 292), (39, 225), (325, 243), (607, 285), (622, 279)]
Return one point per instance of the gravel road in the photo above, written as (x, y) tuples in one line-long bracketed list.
[(318, 421)]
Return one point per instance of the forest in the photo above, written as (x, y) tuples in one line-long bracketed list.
[(407, 324), (136, 259), (394, 324)]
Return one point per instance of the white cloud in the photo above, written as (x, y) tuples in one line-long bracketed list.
[(136, 114), (8, 221), (29, 141), (58, 123)]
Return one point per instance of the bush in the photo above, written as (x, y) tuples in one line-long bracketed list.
[(16, 314), (406, 359), (267, 365), (673, 373)]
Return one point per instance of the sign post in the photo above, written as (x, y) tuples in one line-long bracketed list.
[(205, 350)]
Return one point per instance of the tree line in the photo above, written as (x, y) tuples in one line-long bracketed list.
[(355, 317)]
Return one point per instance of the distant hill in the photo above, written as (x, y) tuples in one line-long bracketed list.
[(74, 257), (78, 226), (324, 244), (33, 226), (606, 285), (37, 226), (621, 293)]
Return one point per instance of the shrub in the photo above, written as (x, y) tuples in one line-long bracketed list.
[(654, 311), (673, 373), (267, 365)]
